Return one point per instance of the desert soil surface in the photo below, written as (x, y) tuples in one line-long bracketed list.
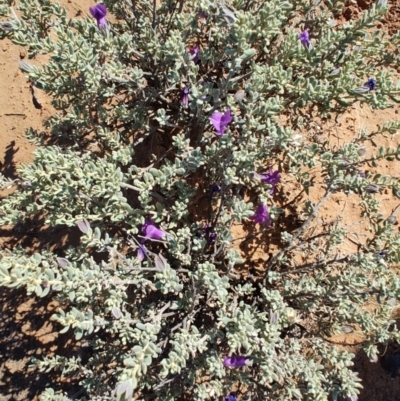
[(26, 330)]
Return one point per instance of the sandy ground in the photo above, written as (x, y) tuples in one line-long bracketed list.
[(25, 328)]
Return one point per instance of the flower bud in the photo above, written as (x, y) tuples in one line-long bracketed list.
[(6, 26), (361, 151), (372, 188), (381, 254)]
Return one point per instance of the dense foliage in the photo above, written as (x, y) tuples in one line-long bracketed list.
[(174, 123)]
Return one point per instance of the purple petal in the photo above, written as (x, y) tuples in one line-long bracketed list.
[(102, 22), (216, 121), (231, 397), (371, 84), (203, 14), (215, 189), (272, 178), (141, 254), (185, 97), (235, 361), (227, 117), (98, 11), (150, 230), (305, 38), (220, 121), (194, 51), (83, 225), (261, 215), (154, 233), (210, 235)]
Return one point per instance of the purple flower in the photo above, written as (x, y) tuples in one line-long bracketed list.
[(271, 178), (185, 97), (361, 173), (352, 398), (371, 84), (142, 252), (210, 235), (305, 39), (215, 189), (261, 215), (203, 14), (151, 231), (231, 397), (235, 361), (99, 12), (194, 51), (220, 121)]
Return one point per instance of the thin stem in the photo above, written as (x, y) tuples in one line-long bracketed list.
[(154, 194), (154, 14), (300, 231), (311, 295), (246, 7), (312, 266), (170, 20)]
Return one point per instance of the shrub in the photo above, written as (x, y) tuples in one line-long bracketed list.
[(179, 121)]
